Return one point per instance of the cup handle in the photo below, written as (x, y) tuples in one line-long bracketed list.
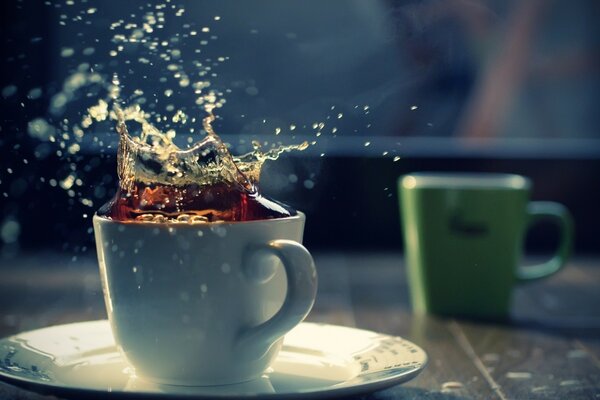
[(301, 288), (540, 210)]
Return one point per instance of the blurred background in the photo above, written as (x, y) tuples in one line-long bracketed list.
[(382, 87)]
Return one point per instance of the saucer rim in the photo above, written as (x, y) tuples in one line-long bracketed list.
[(334, 391), (68, 392)]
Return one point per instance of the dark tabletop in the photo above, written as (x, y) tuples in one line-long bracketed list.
[(549, 349)]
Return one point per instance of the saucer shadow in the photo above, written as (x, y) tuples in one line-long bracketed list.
[(402, 393)]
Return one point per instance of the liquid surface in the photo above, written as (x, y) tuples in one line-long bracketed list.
[(192, 204)]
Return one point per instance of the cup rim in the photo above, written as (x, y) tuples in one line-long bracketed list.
[(105, 220), (464, 180)]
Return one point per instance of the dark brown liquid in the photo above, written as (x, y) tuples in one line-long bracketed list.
[(220, 202)]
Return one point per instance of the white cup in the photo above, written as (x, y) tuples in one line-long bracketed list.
[(204, 304)]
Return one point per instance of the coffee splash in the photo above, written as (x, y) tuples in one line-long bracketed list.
[(161, 182), (158, 180)]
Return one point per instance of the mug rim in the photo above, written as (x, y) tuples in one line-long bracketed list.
[(464, 180), (208, 225)]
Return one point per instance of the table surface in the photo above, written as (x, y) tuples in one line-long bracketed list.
[(549, 349)]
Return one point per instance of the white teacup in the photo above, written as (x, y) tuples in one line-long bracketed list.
[(204, 304)]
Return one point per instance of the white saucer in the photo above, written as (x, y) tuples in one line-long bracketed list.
[(82, 360)]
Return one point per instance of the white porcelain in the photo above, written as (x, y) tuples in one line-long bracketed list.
[(204, 304), (316, 360)]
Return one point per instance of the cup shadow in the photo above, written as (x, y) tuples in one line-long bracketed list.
[(260, 386)]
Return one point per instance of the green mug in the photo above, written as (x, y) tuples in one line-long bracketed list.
[(463, 240)]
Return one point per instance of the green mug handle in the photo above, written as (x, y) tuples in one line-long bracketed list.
[(541, 210)]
